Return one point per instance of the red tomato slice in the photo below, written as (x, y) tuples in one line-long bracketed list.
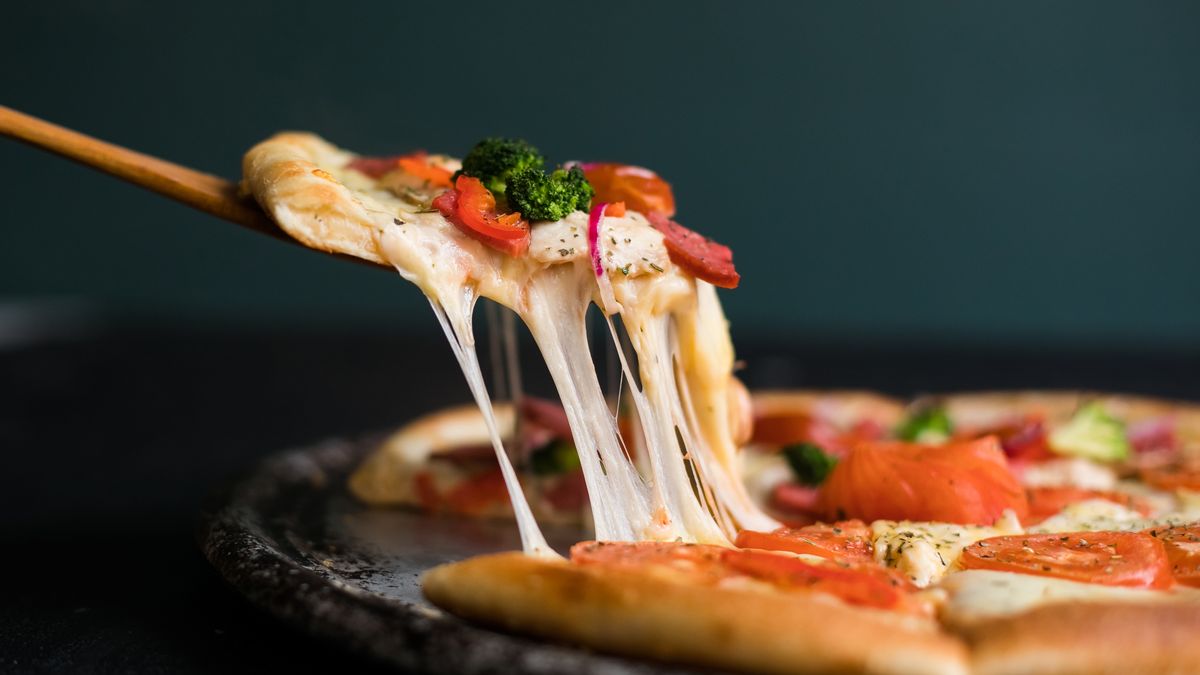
[(847, 541), (472, 209), (869, 587), (1110, 558), (698, 563), (699, 256), (1048, 501), (966, 482), (641, 189), (1183, 551)]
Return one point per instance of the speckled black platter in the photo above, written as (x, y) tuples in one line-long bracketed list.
[(292, 540)]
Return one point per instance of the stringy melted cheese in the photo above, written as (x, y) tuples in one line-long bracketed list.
[(689, 490)]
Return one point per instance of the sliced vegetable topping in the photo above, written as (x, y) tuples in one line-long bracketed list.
[(1183, 551), (1109, 558), (415, 164), (928, 424), (494, 160), (542, 196), (846, 541), (699, 256), (1173, 477), (641, 189), (472, 208), (797, 499), (810, 464), (1092, 433), (965, 482), (867, 585), (1045, 502)]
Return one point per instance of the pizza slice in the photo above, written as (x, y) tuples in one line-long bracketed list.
[(548, 245)]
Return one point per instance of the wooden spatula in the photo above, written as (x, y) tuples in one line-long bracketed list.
[(198, 190)]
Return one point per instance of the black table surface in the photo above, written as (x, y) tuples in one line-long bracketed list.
[(111, 439)]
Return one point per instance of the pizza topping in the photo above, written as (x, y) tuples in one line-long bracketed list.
[(796, 500), (640, 189), (472, 209), (966, 482), (1045, 502), (1110, 558), (495, 160), (699, 256), (1069, 472), (1183, 551), (846, 541), (810, 464), (555, 457), (1173, 477), (415, 164), (1023, 440), (1092, 433), (926, 424), (864, 585), (924, 551), (548, 196)]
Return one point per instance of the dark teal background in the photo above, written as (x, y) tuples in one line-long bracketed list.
[(962, 171)]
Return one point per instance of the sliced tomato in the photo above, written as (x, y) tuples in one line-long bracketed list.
[(1183, 551), (641, 189), (869, 587), (1173, 477), (847, 541), (477, 494), (1045, 502), (698, 255), (1110, 558), (696, 563), (787, 428), (472, 209), (966, 482)]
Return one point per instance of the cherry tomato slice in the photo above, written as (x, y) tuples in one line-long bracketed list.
[(641, 189), (847, 541), (965, 482), (1110, 558), (1183, 551)]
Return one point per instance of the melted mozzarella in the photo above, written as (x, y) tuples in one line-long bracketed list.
[(689, 489), (976, 595), (1073, 472), (1095, 515), (926, 551)]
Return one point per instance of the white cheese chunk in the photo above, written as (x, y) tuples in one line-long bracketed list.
[(925, 551), (1073, 472)]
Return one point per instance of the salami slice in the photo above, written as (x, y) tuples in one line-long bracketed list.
[(700, 256)]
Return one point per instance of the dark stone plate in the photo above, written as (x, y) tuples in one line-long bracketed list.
[(292, 540)]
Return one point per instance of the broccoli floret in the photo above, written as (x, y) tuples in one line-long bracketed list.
[(539, 196), (1092, 433), (494, 160), (809, 463), (926, 425)]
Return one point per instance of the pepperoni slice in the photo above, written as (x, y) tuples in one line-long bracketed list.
[(1183, 551), (699, 256), (1110, 558), (847, 541)]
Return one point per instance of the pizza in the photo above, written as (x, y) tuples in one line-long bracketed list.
[(832, 532)]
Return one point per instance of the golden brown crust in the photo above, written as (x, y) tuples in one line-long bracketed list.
[(972, 406), (1090, 638), (646, 615), (285, 175)]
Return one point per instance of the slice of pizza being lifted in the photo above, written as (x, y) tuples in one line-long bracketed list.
[(547, 245)]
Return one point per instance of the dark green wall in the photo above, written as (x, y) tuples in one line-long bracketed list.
[(962, 170)]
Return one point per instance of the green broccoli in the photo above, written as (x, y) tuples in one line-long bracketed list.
[(928, 424), (1092, 433), (494, 160), (539, 196), (809, 462)]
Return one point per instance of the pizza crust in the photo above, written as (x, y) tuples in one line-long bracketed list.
[(284, 174), (839, 406), (645, 615), (1089, 638)]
